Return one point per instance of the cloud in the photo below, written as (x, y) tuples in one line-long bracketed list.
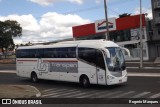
[(98, 1), (51, 26), (144, 10), (51, 2)]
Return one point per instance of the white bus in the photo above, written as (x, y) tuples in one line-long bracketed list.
[(86, 62)]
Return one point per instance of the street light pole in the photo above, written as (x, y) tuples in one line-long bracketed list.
[(141, 42), (106, 17)]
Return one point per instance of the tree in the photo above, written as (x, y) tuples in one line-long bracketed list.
[(8, 30), (26, 44)]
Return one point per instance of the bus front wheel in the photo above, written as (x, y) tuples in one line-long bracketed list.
[(34, 77), (84, 81)]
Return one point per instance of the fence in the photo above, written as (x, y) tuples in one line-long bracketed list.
[(8, 59)]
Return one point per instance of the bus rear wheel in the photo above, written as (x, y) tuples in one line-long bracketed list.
[(34, 77), (85, 81)]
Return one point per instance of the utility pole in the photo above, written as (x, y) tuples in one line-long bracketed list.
[(141, 41), (106, 16)]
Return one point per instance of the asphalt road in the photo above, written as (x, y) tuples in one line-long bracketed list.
[(136, 87), (131, 67), (135, 84), (7, 66), (142, 87)]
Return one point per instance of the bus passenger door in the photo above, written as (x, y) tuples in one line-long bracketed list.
[(100, 68)]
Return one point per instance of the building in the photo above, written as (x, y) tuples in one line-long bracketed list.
[(125, 31), (154, 31)]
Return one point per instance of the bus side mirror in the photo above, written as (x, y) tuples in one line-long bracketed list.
[(128, 52)]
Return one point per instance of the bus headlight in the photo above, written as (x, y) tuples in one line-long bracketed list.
[(110, 77)]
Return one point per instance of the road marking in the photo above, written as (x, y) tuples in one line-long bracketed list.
[(8, 71), (80, 94), (57, 92), (144, 74), (92, 95), (123, 94), (73, 92), (109, 94), (143, 68), (47, 90), (140, 95), (76, 95), (46, 95), (155, 95)]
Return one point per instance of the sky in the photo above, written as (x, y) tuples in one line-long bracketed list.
[(50, 20)]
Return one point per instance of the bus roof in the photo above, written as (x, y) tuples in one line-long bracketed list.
[(81, 43)]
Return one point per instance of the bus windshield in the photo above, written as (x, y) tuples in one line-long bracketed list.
[(116, 61)]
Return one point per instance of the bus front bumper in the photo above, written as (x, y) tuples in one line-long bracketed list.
[(116, 80)]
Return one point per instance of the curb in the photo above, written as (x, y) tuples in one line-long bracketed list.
[(138, 70), (8, 71), (139, 62), (36, 95), (143, 74), (19, 91), (144, 68)]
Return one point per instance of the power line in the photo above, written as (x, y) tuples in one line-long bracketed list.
[(114, 11), (94, 7), (98, 7), (86, 9)]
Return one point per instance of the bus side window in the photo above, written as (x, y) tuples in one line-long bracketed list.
[(87, 54), (40, 53), (100, 60), (18, 53), (63, 53), (59, 52), (67, 52), (23, 53), (48, 53), (71, 52), (32, 53)]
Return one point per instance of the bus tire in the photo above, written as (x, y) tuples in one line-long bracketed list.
[(34, 77), (84, 81)]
